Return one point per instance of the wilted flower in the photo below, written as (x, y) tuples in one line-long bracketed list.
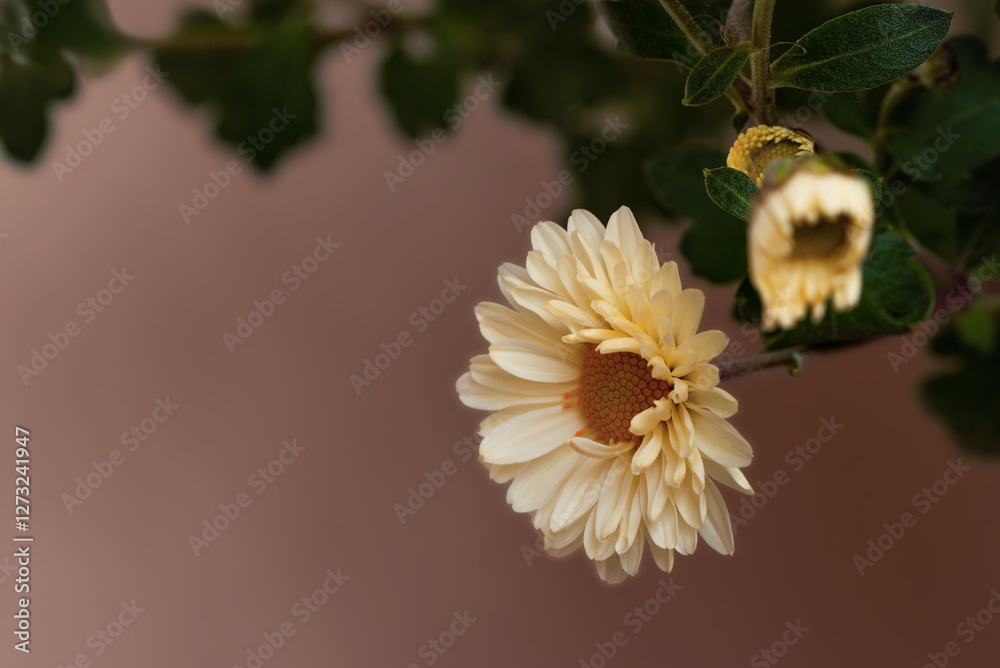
[(809, 233), (756, 148), (609, 424)]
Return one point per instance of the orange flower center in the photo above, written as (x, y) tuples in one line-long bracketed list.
[(614, 388)]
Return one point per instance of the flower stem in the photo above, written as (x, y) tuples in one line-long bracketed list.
[(683, 19), (791, 359), (739, 93), (760, 62), (896, 93), (935, 264)]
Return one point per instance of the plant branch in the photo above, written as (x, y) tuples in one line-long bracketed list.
[(683, 19), (790, 359), (740, 93), (935, 264), (760, 62), (892, 98)]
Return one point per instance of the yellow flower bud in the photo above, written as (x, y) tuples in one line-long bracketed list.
[(757, 147)]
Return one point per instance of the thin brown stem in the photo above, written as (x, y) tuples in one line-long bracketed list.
[(760, 62), (790, 359)]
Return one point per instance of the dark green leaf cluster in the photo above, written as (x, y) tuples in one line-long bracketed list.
[(35, 68)]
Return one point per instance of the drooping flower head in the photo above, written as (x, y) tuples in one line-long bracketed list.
[(810, 230), (609, 424), (756, 148)]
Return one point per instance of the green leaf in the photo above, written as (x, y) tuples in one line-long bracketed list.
[(714, 74), (715, 243), (28, 88), (259, 89), (897, 292), (83, 27), (732, 190), (863, 49), (420, 90), (24, 98), (586, 75), (846, 112), (645, 30), (677, 179), (933, 225), (977, 329), (967, 397), (943, 138)]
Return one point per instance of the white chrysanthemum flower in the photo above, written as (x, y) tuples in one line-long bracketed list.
[(609, 424), (809, 234), (759, 146)]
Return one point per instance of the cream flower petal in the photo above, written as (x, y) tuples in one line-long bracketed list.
[(531, 361), (589, 227), (609, 425), (716, 400), (485, 372), (550, 239), (719, 441), (530, 435), (623, 232), (589, 448), (475, 395), (539, 479), (717, 530), (579, 493)]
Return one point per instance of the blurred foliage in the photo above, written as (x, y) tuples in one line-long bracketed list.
[(715, 244), (967, 396), (260, 88), (930, 117), (35, 72)]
